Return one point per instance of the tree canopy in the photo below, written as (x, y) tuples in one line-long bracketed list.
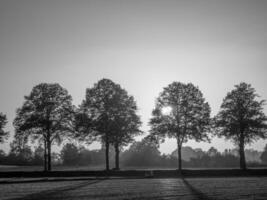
[(263, 156), (241, 118), (3, 122), (108, 114), (47, 115), (70, 154), (188, 115), (143, 153)]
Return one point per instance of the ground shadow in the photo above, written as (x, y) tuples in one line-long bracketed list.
[(197, 193), (48, 194), (41, 180)]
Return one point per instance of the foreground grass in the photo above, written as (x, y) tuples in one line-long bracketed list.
[(189, 188)]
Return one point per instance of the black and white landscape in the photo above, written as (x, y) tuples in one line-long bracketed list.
[(145, 99)]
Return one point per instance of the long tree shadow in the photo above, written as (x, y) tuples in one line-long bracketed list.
[(197, 193), (48, 194), (42, 180)]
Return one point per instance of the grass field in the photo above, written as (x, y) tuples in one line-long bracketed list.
[(174, 188), (70, 168), (4, 168), (41, 168)]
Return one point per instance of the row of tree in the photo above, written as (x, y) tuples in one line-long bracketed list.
[(109, 114), (240, 119)]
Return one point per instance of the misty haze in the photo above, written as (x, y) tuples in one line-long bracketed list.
[(145, 99)]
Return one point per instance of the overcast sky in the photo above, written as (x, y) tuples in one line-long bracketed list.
[(142, 45)]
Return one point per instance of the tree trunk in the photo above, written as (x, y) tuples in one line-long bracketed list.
[(49, 155), (179, 148), (48, 144), (242, 153), (117, 157), (45, 156), (107, 155)]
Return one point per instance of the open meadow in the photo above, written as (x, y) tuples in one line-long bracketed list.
[(120, 188)]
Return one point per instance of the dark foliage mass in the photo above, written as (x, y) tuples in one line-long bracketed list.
[(241, 118), (3, 122), (47, 115), (72, 155), (146, 154), (108, 114), (264, 155), (189, 116), (142, 154)]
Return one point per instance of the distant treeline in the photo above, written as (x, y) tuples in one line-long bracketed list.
[(142, 154), (108, 114)]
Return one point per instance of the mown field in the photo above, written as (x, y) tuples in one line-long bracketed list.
[(113, 189), (71, 168), (4, 168)]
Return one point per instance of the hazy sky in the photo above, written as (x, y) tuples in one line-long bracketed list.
[(142, 45)]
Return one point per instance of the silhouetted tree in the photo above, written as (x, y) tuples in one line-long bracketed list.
[(38, 158), (188, 152), (107, 114), (70, 154), (214, 159), (143, 153), (2, 157), (20, 152), (47, 115), (241, 118), (212, 152), (86, 156), (125, 124), (3, 122), (264, 155), (97, 157), (188, 116)]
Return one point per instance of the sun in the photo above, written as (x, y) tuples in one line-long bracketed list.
[(166, 110)]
